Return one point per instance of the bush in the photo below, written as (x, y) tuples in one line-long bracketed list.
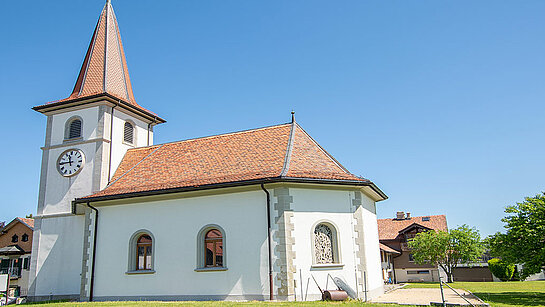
[(502, 270)]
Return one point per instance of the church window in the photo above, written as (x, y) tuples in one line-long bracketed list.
[(211, 248), (128, 133), (24, 238), (141, 252), (325, 244), (15, 238), (73, 128)]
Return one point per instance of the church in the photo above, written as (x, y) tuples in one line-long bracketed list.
[(260, 214)]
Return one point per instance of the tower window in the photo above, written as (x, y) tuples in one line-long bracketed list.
[(73, 128), (128, 133)]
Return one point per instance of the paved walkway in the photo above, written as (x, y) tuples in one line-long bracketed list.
[(424, 296)]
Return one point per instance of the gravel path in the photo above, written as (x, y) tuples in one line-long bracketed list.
[(423, 296)]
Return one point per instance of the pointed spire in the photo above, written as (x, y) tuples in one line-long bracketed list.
[(104, 69)]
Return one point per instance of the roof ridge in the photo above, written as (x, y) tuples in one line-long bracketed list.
[(211, 136), (325, 151), (287, 157)]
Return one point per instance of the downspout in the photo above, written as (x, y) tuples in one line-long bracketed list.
[(92, 285), (111, 140), (149, 127), (269, 235)]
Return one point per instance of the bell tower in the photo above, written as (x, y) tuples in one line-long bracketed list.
[(87, 135)]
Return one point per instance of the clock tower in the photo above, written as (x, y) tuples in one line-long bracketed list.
[(87, 135)]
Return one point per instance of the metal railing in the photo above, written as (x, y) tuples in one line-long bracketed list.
[(441, 283), (13, 272)]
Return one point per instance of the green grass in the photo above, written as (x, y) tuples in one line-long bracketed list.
[(497, 294), (501, 294), (210, 304)]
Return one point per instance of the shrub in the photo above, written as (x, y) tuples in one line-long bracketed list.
[(502, 270)]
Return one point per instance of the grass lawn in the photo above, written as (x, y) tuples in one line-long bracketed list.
[(501, 294), (210, 304)]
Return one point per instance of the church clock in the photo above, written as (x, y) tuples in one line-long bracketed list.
[(70, 162)]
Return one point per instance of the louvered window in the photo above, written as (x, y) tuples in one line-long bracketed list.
[(74, 130), (128, 135)]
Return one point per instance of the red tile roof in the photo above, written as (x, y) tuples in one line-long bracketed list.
[(282, 151), (388, 249), (27, 221), (388, 229), (104, 69)]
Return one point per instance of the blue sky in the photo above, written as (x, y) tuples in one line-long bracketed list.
[(440, 103)]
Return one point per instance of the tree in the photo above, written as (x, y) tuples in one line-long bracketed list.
[(524, 241), (501, 269), (447, 249)]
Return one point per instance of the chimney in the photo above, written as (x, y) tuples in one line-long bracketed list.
[(408, 215), (400, 215)]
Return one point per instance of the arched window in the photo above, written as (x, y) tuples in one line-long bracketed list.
[(141, 252), (128, 133), (325, 244), (211, 248), (73, 128), (15, 238), (144, 252), (24, 238), (213, 242)]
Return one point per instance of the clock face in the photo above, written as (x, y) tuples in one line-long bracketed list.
[(70, 162)]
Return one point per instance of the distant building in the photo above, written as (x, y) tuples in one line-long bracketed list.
[(15, 248), (397, 260)]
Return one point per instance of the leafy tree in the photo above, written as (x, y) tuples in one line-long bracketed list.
[(524, 241), (447, 249), (501, 269)]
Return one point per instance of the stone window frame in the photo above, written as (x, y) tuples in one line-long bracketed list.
[(336, 248), (201, 261), (67, 126), (131, 263), (130, 122)]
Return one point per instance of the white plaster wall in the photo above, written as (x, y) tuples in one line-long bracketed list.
[(59, 256), (375, 282), (89, 118), (175, 225), (311, 206), (119, 148), (61, 191)]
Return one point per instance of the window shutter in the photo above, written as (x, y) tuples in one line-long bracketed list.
[(75, 129), (128, 135)]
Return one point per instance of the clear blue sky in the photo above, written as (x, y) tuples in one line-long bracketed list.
[(440, 103)]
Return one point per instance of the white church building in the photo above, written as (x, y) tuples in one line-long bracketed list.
[(249, 215)]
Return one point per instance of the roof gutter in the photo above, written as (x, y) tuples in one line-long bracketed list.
[(234, 184), (89, 99)]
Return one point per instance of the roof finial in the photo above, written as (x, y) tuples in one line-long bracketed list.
[(108, 2), (292, 116)]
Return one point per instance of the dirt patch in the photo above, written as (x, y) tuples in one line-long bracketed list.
[(425, 296)]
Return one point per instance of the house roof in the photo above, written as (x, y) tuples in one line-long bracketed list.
[(388, 249), (11, 250), (25, 221), (281, 152), (389, 229), (104, 69)]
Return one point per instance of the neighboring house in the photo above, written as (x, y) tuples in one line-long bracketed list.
[(15, 248), (394, 234), (387, 255), (249, 215)]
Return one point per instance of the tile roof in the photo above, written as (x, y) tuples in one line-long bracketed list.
[(282, 151), (388, 249), (388, 229), (104, 69), (27, 221)]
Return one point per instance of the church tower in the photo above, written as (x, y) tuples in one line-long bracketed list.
[(87, 135)]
